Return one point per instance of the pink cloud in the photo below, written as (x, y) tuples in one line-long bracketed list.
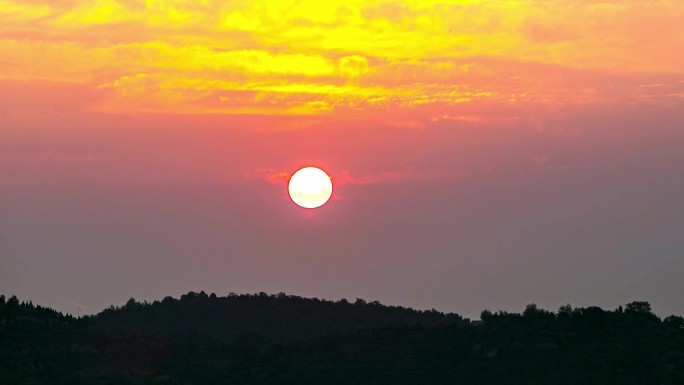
[(409, 124), (270, 175), (345, 177)]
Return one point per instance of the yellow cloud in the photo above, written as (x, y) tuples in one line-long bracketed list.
[(95, 13), (13, 11), (353, 66), (312, 56)]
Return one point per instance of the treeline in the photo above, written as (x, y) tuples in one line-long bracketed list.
[(282, 339), (278, 317)]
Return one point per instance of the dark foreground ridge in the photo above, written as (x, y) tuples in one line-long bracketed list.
[(281, 339)]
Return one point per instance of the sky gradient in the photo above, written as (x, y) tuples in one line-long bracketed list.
[(484, 154)]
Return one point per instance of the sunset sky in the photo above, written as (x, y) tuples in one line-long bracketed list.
[(484, 154)]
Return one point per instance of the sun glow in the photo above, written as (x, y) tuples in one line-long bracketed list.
[(310, 187)]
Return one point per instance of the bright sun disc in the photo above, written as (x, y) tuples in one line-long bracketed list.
[(310, 187)]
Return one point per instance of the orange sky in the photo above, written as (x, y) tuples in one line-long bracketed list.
[(325, 57), (485, 154)]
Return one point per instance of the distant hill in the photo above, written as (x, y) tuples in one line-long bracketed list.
[(278, 317), (281, 339)]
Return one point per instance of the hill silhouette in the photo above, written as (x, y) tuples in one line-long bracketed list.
[(281, 339), (278, 317)]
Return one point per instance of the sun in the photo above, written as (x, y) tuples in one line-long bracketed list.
[(310, 187)]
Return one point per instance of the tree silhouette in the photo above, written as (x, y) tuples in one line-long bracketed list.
[(131, 303), (674, 321), (13, 302), (638, 307), (485, 315), (565, 310), (256, 339)]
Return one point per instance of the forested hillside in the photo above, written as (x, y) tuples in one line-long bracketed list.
[(281, 339)]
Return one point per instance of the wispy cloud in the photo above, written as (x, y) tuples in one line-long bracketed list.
[(313, 57), (270, 175), (346, 177)]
